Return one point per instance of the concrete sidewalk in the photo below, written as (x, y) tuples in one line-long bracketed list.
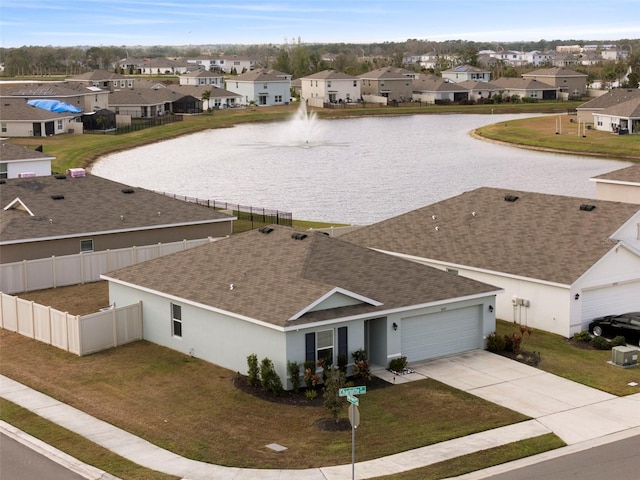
[(577, 414)]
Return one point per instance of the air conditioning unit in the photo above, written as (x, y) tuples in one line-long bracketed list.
[(624, 356)]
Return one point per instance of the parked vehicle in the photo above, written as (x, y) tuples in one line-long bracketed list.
[(627, 324)]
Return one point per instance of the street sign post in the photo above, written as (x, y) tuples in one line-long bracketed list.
[(361, 390), (354, 418)]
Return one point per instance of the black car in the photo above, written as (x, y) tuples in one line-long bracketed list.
[(626, 324)]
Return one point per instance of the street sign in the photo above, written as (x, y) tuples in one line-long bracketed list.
[(354, 416), (353, 400), (343, 392)]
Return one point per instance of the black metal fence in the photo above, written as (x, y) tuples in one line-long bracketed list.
[(139, 124), (258, 216)]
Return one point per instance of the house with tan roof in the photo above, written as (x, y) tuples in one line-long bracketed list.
[(570, 84), (264, 87), (18, 161), (464, 73), (19, 119), (561, 261), (330, 87), (202, 78), (434, 89), (620, 185), (66, 214), (387, 84), (525, 88), (293, 296)]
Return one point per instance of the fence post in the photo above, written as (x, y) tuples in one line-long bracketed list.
[(53, 271), (81, 268), (25, 281), (114, 321)]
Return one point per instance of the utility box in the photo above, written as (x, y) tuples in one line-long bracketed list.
[(624, 356)]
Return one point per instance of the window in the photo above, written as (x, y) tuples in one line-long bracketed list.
[(278, 98), (328, 83), (176, 320), (320, 345), (3, 170), (4, 127), (59, 127), (86, 245), (355, 83)]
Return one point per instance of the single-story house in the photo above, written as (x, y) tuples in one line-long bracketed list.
[(60, 214), (569, 83), (19, 119), (561, 261), (293, 296), (17, 161), (79, 94), (103, 79), (479, 90), (620, 185), (525, 88), (152, 102), (264, 86), (211, 96), (434, 89), (330, 86), (622, 118), (617, 96)]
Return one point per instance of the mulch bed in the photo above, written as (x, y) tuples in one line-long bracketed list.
[(528, 358)]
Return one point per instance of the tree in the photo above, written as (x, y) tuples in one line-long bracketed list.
[(332, 399)]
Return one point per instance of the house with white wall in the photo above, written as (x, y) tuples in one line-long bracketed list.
[(202, 78), (330, 86), (264, 87), (296, 296), (562, 261), (17, 160), (435, 89), (621, 185), (463, 73)]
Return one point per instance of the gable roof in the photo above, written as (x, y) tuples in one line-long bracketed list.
[(329, 75), (389, 73), (611, 98), (11, 152), (89, 205), (554, 72), (628, 109), (629, 175), (540, 236), (433, 83), (465, 69), (283, 281), (262, 75), (97, 75), (521, 84), (18, 110)]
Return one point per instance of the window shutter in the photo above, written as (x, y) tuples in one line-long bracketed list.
[(343, 347), (310, 346)]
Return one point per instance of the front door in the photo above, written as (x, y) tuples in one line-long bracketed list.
[(37, 129)]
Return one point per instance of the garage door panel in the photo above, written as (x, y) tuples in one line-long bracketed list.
[(439, 334), (611, 300)]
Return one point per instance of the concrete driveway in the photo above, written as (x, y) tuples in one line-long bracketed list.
[(574, 412)]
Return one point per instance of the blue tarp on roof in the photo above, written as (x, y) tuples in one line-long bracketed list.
[(55, 106)]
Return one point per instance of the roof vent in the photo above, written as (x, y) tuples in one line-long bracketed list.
[(127, 190), (511, 198), (586, 207), (60, 177), (265, 230), (298, 236), (57, 197)]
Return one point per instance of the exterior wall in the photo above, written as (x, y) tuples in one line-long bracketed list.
[(332, 90), (616, 192), (25, 128), (424, 97), (394, 89), (69, 246), (39, 167), (458, 77), (548, 304)]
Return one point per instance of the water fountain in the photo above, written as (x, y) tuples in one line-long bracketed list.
[(303, 129)]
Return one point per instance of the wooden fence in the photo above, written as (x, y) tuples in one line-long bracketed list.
[(81, 335)]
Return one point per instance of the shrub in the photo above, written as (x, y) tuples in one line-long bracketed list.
[(332, 401), (495, 343), (398, 364), (361, 370), (253, 373), (512, 342), (293, 368), (310, 378), (269, 378), (582, 336), (618, 341), (311, 394), (600, 343), (360, 354)]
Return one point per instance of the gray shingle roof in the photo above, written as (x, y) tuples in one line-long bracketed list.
[(629, 174), (521, 84), (90, 205), (11, 151), (16, 109), (388, 73), (433, 83), (276, 277), (262, 75), (329, 75), (539, 236), (611, 98)]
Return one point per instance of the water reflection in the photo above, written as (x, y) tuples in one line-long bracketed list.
[(359, 170)]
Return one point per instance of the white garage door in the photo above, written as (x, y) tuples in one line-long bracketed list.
[(610, 301), (443, 333)]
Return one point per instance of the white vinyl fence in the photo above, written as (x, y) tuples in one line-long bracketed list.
[(52, 272), (77, 334)]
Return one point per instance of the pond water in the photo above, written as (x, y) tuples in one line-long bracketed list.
[(358, 171)]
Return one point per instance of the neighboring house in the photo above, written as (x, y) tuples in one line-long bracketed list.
[(620, 185), (67, 214), (525, 88), (202, 78), (479, 90), (434, 89), (211, 97), (152, 102), (622, 118), (103, 80), (391, 83), (237, 65), (561, 261), (563, 60), (330, 86), (17, 161), (265, 87), (86, 97), (569, 83), (163, 66), (293, 296), (19, 119), (463, 73), (617, 96)]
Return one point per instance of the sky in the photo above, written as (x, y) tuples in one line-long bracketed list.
[(200, 22)]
